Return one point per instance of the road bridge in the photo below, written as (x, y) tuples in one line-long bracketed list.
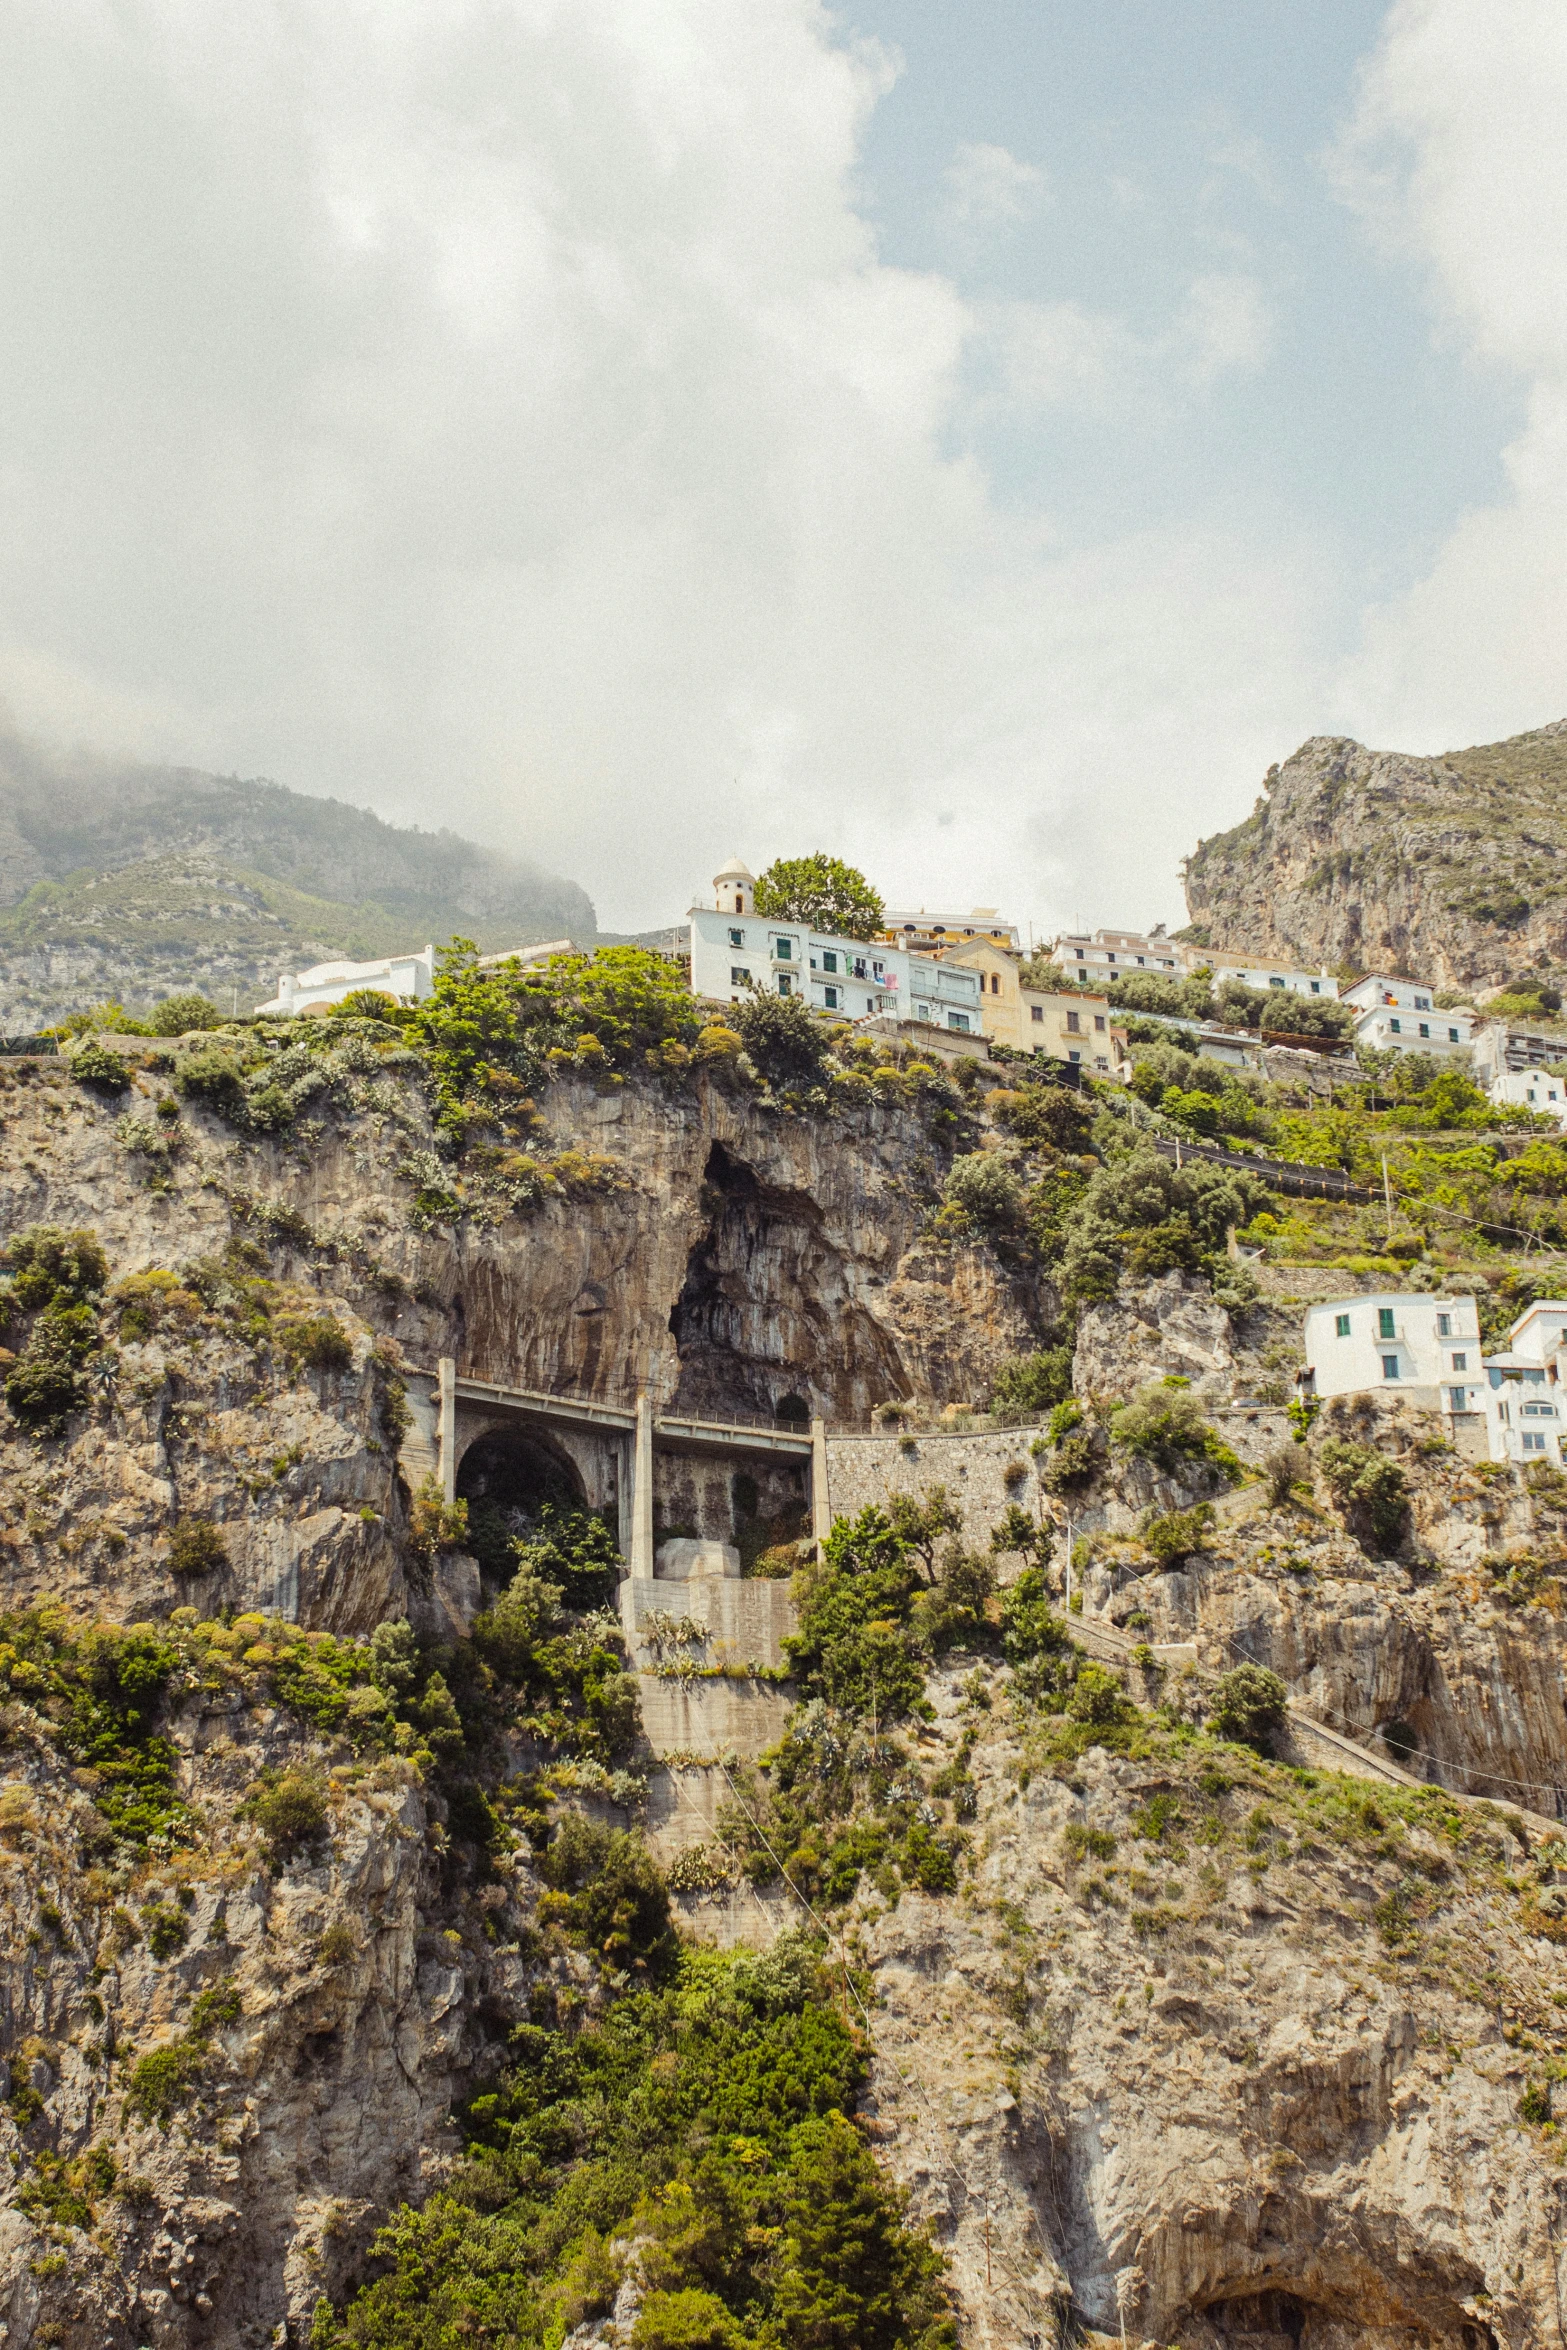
[(630, 1461)]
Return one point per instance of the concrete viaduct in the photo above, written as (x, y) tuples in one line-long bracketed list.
[(622, 1460)]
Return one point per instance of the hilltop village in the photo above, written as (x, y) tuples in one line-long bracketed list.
[(819, 1632)]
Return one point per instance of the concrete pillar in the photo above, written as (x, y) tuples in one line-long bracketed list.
[(821, 1499), (625, 1487), (446, 1429), (642, 1490)]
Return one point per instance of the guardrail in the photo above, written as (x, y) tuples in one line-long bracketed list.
[(1279, 1174)]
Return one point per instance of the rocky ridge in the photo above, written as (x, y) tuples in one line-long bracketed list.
[(1452, 869)]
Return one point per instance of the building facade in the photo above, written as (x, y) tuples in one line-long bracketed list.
[(1525, 1387), (922, 932), (735, 950), (1112, 954), (1400, 1015), (407, 977), (1079, 1027), (1404, 1343), (1530, 1089)]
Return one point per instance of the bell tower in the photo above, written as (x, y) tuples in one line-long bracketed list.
[(734, 890)]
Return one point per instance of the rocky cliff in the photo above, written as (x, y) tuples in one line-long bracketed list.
[(1189, 2041), (1453, 869)]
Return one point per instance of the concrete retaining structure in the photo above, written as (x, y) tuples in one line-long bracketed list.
[(982, 1473)]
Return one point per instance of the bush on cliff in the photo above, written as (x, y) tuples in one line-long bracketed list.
[(1145, 1216), (56, 1276)]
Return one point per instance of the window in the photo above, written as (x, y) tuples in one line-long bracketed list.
[(829, 959), (1074, 1056), (1139, 959), (1275, 983), (1390, 1366), (1452, 1036), (1460, 1362), (1422, 1003), (1396, 1027), (878, 971), (1538, 1411), (1444, 1325), (958, 1020), (1100, 1062), (739, 903), (1384, 1321), (1316, 987), (1425, 1027), (1533, 1441), (1082, 976), (785, 984), (859, 966), (739, 976), (1341, 1325), (1099, 1022), (1109, 958), (1074, 1024), (995, 983), (1037, 1011), (1455, 1399), (830, 994), (737, 938), (783, 948), (922, 1011)]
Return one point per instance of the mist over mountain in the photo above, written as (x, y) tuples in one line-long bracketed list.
[(126, 881)]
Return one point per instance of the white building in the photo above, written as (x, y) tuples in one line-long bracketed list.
[(408, 977), (1400, 1015), (920, 930), (734, 950), (1524, 1387), (1530, 1089), (1501, 1051), (1118, 954), (1410, 1344), (1112, 954)]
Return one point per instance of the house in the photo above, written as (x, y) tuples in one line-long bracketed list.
[(922, 932), (1112, 954), (408, 977), (1077, 1028), (1526, 1386), (1404, 1343), (1502, 1051), (1261, 972), (735, 950), (1400, 1015), (1530, 1089)]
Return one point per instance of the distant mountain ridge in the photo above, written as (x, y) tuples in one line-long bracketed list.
[(1452, 869), (131, 882)]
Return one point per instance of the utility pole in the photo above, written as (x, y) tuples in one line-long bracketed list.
[(1387, 1195)]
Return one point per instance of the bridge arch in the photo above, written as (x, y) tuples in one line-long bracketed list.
[(514, 1473)]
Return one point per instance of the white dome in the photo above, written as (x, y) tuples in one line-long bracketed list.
[(734, 871)]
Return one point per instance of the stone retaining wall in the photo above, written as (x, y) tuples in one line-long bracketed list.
[(973, 1468)]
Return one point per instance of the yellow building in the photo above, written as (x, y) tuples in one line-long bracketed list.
[(1073, 1027), (924, 933)]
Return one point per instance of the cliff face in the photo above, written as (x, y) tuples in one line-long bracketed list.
[(1453, 868), (729, 1254)]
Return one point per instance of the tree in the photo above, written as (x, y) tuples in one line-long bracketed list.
[(180, 1015), (823, 891), (783, 1037), (1248, 1707)]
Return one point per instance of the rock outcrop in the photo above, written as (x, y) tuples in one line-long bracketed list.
[(1452, 869)]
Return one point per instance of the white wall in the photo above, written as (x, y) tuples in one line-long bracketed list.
[(1530, 1089), (1403, 1329), (858, 978)]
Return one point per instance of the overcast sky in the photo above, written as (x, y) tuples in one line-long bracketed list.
[(976, 439)]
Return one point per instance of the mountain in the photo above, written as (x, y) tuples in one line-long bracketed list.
[(1452, 868), (128, 882)]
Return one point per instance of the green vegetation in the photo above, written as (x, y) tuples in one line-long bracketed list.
[(55, 1280), (1371, 1490), (196, 1547), (822, 891), (1248, 1707), (695, 2137), (1163, 1423)]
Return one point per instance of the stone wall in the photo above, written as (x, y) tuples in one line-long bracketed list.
[(982, 1473), (720, 1497)]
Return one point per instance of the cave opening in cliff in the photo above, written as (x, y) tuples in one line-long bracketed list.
[(509, 1478), (767, 1323)]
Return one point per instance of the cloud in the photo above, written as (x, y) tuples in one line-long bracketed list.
[(497, 411), (1453, 161), (988, 187)]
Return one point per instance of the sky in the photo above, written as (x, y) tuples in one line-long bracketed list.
[(974, 441)]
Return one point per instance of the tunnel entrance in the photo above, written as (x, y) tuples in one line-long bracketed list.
[(509, 1479)]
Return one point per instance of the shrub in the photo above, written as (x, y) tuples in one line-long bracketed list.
[(785, 1039), (164, 2080), (1098, 1699), (1178, 1533), (1072, 1462), (316, 1342), (216, 1078), (983, 1185), (1282, 1468), (1145, 1216), (687, 2320), (1248, 1707), (47, 1264), (289, 1807), (196, 1547), (619, 1904), (98, 1066), (1056, 1115), (433, 1522), (181, 1015), (1033, 1383), (165, 1928), (370, 1003), (1164, 1424), (1370, 1490)]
